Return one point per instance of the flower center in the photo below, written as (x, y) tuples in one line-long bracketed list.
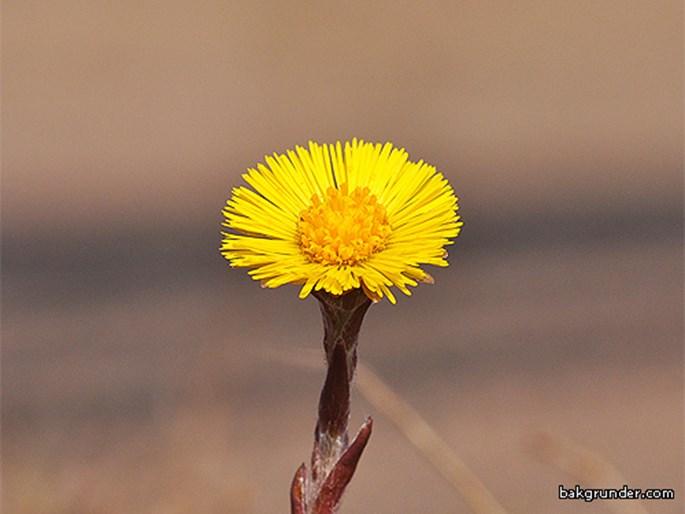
[(343, 229)]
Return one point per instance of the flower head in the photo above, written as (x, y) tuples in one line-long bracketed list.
[(341, 217)]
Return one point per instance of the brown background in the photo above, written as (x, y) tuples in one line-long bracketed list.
[(141, 375)]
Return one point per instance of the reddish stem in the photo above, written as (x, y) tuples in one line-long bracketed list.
[(334, 460)]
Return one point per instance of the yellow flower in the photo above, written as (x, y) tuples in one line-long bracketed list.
[(341, 217)]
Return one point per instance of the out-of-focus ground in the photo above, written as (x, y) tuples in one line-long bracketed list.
[(141, 375)]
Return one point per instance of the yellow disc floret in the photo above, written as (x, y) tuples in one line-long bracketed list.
[(346, 228)]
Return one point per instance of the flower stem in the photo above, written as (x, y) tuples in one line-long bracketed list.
[(334, 458)]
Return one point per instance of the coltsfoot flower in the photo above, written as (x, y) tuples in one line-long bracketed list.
[(337, 217)]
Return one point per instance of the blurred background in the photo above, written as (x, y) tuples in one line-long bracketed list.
[(141, 375)]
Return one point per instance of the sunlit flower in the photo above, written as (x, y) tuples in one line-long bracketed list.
[(337, 217)]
